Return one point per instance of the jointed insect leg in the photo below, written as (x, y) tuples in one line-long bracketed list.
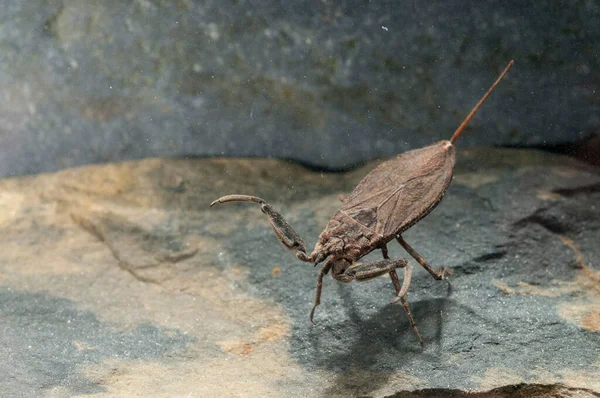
[(283, 231), (439, 274), (368, 271), (324, 270), (411, 320), (384, 252), (401, 291)]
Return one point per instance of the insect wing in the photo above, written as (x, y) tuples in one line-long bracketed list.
[(402, 190)]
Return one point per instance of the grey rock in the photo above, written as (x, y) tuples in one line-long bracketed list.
[(167, 296), (493, 235), (330, 84), (45, 340)]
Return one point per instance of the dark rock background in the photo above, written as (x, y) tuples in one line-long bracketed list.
[(328, 83)]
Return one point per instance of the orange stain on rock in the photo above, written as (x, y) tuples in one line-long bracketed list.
[(591, 321)]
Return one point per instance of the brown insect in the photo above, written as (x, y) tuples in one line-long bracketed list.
[(388, 201)]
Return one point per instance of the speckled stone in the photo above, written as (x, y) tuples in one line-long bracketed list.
[(119, 280), (330, 84)]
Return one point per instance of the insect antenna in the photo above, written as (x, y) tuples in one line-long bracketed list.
[(462, 126)]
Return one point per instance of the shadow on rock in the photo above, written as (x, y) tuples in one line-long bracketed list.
[(377, 346)]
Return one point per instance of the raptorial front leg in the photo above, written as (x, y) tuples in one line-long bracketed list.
[(439, 274), (283, 231)]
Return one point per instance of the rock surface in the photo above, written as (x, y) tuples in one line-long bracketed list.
[(118, 280), (330, 84)]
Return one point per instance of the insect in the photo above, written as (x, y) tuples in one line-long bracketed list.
[(388, 201)]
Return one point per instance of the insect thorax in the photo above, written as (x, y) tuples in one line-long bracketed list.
[(345, 236)]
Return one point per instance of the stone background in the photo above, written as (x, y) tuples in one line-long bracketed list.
[(118, 280), (328, 83)]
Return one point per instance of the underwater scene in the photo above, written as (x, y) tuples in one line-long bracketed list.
[(328, 198)]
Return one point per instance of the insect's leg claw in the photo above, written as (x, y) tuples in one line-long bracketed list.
[(443, 272), (312, 311)]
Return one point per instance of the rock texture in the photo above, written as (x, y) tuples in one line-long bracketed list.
[(118, 280), (329, 83)]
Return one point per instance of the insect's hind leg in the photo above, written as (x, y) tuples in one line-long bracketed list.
[(439, 274), (401, 291)]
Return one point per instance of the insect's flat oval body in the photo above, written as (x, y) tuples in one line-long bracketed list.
[(401, 191)]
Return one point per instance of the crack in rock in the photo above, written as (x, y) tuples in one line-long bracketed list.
[(144, 252)]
